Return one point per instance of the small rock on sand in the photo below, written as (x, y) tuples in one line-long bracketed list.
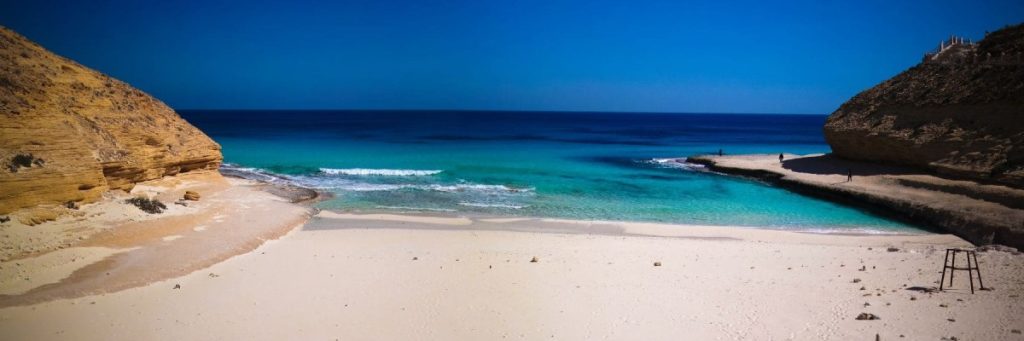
[(533, 260), (177, 286), (657, 263), (867, 316), (191, 195), (892, 249)]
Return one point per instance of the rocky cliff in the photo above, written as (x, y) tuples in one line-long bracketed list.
[(69, 133), (959, 113)]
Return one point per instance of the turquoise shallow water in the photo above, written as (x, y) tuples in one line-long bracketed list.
[(603, 166)]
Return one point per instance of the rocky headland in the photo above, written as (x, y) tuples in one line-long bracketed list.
[(103, 187), (941, 144), (959, 113), (69, 133)]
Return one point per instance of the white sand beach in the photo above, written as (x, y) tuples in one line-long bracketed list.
[(387, 277)]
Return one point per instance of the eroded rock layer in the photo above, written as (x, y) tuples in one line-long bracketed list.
[(958, 113), (69, 133)]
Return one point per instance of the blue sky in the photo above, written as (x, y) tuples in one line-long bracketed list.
[(661, 56)]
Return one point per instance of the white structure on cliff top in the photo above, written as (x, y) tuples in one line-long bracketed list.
[(954, 43)]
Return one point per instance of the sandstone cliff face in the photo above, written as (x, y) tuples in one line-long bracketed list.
[(69, 133), (960, 113)]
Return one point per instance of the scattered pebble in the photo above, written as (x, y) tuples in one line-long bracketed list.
[(657, 263), (892, 249), (867, 316), (177, 286), (856, 280), (1015, 331), (415, 258), (533, 260)]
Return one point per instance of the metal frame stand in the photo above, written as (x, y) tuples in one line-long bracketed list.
[(950, 263)]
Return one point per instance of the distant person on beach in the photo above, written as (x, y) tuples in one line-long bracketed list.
[(849, 175), (719, 152), (780, 157)]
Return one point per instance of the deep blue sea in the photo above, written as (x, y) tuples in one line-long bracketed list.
[(593, 166)]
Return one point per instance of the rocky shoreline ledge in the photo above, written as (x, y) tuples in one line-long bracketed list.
[(981, 214)]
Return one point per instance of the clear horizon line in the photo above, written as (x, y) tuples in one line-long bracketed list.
[(523, 111)]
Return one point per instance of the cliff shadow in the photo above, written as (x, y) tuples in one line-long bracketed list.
[(830, 165)]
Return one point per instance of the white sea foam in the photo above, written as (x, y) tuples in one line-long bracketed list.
[(323, 181), (416, 208), (379, 172), (477, 204), (365, 187), (676, 163), (343, 184), (252, 173), (465, 187)]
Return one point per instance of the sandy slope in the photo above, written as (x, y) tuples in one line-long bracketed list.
[(110, 245), (388, 277)]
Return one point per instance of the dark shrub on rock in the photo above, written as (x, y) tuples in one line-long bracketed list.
[(23, 160), (147, 205)]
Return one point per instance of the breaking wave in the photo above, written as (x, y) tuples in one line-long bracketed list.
[(250, 173), (378, 172), (679, 163), (476, 204)]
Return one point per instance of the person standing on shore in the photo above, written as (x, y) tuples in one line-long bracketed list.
[(849, 175), (780, 157), (719, 152)]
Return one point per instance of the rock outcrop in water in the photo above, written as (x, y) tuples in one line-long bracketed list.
[(69, 133), (958, 113)]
